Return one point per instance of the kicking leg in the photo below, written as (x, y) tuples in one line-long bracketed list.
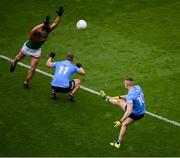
[(14, 62), (33, 65), (119, 102)]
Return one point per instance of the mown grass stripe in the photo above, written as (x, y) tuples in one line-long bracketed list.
[(94, 92)]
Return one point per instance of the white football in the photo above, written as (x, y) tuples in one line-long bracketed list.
[(81, 25)]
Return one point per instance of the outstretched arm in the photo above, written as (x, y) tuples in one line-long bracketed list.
[(58, 18), (46, 23), (49, 62), (37, 27), (55, 23)]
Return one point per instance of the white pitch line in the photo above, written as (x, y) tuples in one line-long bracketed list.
[(94, 92)]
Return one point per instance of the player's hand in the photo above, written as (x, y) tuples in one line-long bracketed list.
[(60, 11), (78, 65), (116, 97), (47, 21), (52, 55), (117, 124)]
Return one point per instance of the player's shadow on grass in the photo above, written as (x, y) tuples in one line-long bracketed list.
[(61, 98)]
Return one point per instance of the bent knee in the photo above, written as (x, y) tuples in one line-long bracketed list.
[(117, 102), (124, 124), (121, 102), (77, 81)]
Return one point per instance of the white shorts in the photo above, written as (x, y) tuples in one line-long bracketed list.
[(31, 52)]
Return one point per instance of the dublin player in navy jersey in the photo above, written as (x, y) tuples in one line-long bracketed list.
[(32, 47), (133, 105), (64, 70)]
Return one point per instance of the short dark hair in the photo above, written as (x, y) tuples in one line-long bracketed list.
[(129, 79), (70, 57)]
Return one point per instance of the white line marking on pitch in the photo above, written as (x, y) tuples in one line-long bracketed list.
[(93, 91)]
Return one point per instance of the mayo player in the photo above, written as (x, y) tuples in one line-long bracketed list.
[(133, 105), (32, 47)]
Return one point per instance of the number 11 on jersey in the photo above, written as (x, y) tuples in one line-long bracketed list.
[(141, 99), (63, 70)]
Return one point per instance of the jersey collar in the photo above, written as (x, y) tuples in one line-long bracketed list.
[(67, 61), (131, 89)]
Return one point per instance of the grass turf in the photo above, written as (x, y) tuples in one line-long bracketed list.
[(138, 38)]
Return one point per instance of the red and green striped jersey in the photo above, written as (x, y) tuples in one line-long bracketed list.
[(36, 40)]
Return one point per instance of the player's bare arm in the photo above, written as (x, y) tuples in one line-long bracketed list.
[(47, 21), (36, 28), (127, 112), (55, 23), (49, 62), (58, 18), (42, 25), (82, 71)]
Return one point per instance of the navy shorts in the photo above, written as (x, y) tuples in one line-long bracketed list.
[(64, 90), (133, 116)]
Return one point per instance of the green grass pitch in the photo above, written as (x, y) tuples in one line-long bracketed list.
[(139, 38)]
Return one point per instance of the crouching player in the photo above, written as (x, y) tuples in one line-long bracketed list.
[(133, 105), (62, 78)]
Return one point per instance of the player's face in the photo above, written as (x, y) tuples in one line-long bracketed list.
[(126, 84)]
